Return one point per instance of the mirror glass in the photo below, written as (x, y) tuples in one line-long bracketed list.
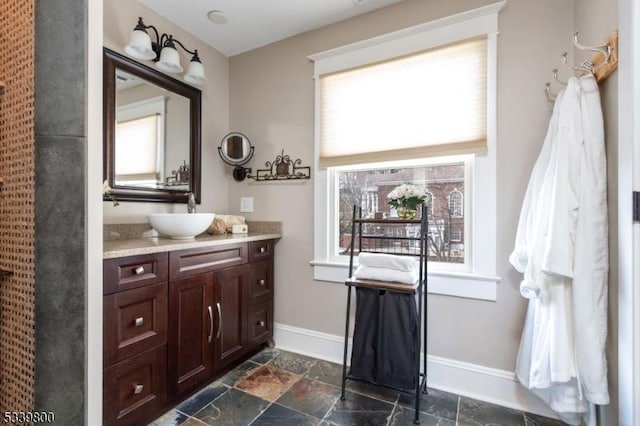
[(152, 133), (236, 149)]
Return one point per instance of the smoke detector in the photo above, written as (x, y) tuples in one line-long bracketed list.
[(218, 17)]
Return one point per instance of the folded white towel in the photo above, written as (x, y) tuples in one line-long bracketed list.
[(389, 261), (385, 274)]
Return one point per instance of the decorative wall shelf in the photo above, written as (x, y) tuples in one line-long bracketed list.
[(282, 168)]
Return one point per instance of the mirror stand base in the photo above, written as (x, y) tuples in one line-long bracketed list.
[(240, 173)]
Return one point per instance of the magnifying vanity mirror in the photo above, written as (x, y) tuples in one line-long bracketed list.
[(236, 150), (152, 132)]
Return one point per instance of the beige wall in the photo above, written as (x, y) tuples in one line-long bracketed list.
[(594, 20), (120, 16), (272, 102)]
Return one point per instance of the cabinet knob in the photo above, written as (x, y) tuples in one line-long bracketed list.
[(263, 249), (137, 389), (260, 323), (138, 322), (262, 282), (139, 270)]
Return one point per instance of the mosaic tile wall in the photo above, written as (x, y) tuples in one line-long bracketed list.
[(17, 228)]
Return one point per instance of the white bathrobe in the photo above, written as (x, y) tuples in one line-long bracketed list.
[(591, 261), (546, 361)]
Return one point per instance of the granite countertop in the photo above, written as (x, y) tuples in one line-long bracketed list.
[(132, 247), (130, 240)]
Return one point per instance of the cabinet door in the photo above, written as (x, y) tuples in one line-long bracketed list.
[(231, 309), (191, 332)]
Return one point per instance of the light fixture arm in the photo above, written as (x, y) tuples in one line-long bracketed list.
[(194, 52), (163, 40)]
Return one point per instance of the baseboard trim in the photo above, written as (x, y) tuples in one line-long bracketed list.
[(471, 380)]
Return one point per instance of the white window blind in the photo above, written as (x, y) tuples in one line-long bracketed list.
[(425, 104), (139, 161)]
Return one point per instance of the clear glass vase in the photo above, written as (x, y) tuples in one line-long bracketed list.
[(406, 213)]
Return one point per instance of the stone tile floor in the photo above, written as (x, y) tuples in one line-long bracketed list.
[(286, 389)]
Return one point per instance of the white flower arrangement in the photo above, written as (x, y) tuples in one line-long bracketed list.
[(407, 196), (106, 190)]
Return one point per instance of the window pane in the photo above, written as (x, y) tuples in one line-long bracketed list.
[(136, 149), (368, 189)]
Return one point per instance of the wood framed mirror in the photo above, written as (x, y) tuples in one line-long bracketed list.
[(152, 133)]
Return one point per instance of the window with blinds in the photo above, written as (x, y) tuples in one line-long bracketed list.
[(422, 105), (137, 149)]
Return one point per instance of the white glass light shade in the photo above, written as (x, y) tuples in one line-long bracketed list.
[(195, 73), (140, 45), (169, 60)]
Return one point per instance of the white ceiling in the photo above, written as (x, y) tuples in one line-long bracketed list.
[(255, 23)]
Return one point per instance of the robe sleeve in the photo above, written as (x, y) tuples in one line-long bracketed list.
[(563, 205), (529, 222)]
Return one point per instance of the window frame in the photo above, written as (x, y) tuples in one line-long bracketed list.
[(480, 281)]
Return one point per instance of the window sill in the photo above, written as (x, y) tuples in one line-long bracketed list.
[(458, 284)]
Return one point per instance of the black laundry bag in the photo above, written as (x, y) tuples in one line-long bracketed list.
[(385, 341)]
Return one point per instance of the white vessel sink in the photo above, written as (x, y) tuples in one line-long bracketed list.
[(181, 226)]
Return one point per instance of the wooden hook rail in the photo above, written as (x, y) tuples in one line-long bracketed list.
[(601, 64), (602, 71)]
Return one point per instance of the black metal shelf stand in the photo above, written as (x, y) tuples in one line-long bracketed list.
[(381, 236)]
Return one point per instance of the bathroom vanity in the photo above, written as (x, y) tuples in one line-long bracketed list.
[(179, 314)]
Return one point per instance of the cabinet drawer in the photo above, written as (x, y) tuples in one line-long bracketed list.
[(259, 250), (134, 321), (135, 389), (184, 263), (260, 322), (261, 281), (131, 272)]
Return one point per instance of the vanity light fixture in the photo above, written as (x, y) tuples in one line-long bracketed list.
[(164, 52)]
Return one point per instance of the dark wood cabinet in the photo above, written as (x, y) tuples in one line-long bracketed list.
[(127, 273), (261, 281), (174, 321), (260, 323), (135, 389), (134, 321), (134, 338), (191, 304), (231, 307)]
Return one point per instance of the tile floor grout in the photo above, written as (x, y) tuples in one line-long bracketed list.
[(321, 376)]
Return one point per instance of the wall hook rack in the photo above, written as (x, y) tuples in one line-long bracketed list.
[(282, 168)]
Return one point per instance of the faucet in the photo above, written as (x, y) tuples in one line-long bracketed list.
[(191, 203)]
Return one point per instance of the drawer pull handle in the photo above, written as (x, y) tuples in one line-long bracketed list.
[(137, 389), (262, 249), (210, 323), (139, 270), (219, 308), (262, 282), (260, 323), (139, 321)]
